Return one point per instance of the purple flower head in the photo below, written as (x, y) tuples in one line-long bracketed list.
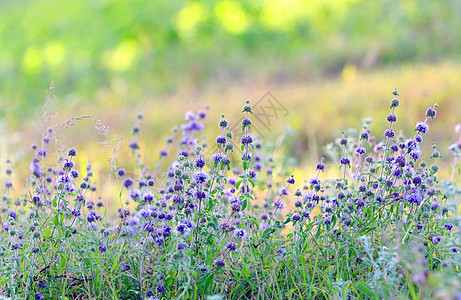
[(448, 226), (72, 152), (68, 164), (163, 153), (436, 240), (217, 157), (345, 160), (314, 181), (134, 145), (202, 114), (12, 214), (102, 248), (74, 174), (389, 133), (41, 152), (291, 180), (320, 166), (430, 113), (361, 150), (219, 263), (182, 246), (200, 177), (121, 172), (415, 154), (278, 204), (182, 229), (414, 196), (246, 156), (246, 140), (128, 182), (391, 118), (75, 212), (143, 213), (422, 127), (240, 233), (417, 180), (147, 197), (231, 246), (221, 140), (126, 267), (200, 162), (223, 123), (200, 195), (246, 122)]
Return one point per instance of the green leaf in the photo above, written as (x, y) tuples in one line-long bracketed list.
[(244, 204), (364, 288)]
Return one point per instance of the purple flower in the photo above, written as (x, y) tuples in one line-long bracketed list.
[(182, 246), (223, 123), (68, 164), (240, 233), (389, 133), (448, 226), (147, 197), (278, 204), (417, 180), (345, 160), (221, 140), (200, 177), (422, 127), (200, 195), (231, 246), (291, 180), (163, 153), (361, 150), (415, 154), (414, 197), (72, 152), (391, 118), (246, 122), (134, 145), (75, 212), (125, 267), (436, 240), (200, 162), (128, 182), (217, 157), (220, 263), (102, 248), (121, 172), (12, 214), (430, 112), (246, 140), (320, 166)]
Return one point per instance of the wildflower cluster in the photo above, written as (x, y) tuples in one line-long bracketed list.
[(219, 225)]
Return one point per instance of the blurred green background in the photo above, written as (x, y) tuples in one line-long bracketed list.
[(330, 62)]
